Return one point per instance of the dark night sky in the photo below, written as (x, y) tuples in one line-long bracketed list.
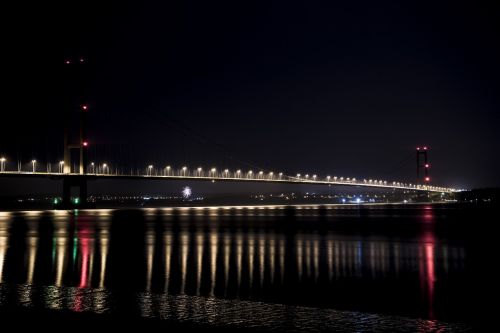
[(342, 88)]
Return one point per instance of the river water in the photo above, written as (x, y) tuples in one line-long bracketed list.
[(301, 268)]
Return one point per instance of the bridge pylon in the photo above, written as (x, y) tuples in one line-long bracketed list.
[(74, 140), (423, 164)]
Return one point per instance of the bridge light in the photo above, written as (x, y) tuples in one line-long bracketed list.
[(238, 171), (199, 169), (298, 175), (82, 60), (328, 178)]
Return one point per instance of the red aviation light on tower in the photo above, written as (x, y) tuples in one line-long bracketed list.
[(67, 62), (85, 143), (427, 179), (82, 59), (427, 165), (418, 148), (425, 148), (85, 107)]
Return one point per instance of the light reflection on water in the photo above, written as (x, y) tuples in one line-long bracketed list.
[(83, 261)]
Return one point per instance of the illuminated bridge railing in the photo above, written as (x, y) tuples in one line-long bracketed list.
[(104, 171)]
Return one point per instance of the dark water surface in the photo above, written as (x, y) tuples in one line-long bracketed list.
[(309, 268)]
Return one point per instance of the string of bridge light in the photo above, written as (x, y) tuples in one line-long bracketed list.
[(104, 169)]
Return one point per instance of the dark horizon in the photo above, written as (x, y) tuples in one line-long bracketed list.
[(347, 88)]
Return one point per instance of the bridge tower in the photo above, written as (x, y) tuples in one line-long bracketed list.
[(81, 145), (75, 116), (423, 164)]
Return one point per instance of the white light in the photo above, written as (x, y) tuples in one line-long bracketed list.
[(186, 192)]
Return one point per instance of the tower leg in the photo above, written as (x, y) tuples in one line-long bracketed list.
[(83, 191), (67, 152), (66, 198)]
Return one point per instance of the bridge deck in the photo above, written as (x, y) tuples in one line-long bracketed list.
[(255, 179)]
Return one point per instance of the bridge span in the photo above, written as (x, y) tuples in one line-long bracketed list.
[(226, 176)]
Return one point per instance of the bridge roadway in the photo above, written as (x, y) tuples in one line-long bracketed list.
[(255, 179)]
